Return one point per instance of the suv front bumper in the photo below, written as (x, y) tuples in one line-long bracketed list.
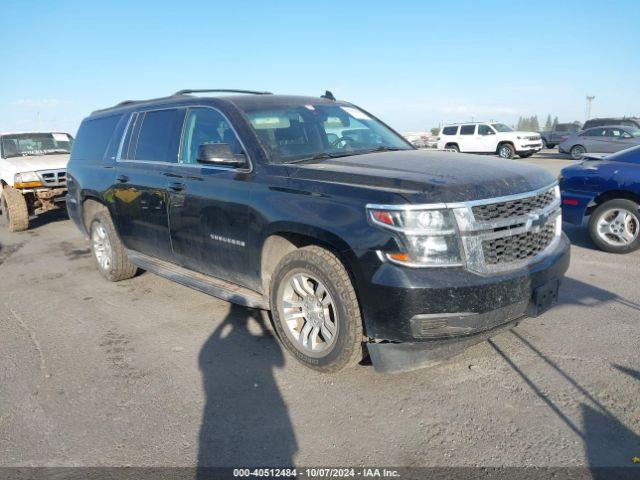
[(421, 316)]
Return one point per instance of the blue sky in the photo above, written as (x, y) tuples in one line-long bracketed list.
[(413, 63)]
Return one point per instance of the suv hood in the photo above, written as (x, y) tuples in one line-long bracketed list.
[(423, 176), (37, 162)]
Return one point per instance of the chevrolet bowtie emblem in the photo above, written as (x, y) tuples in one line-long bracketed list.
[(537, 221)]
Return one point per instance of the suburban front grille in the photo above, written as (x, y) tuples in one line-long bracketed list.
[(507, 233), (53, 178), (513, 208), (519, 247)]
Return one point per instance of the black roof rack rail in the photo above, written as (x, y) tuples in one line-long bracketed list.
[(220, 90), (179, 93)]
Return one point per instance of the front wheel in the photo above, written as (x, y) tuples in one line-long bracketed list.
[(15, 212), (615, 226), (544, 144), (506, 151), (577, 151), (315, 310)]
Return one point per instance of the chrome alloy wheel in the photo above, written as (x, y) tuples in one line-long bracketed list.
[(101, 246), (618, 227), (505, 152), (308, 313)]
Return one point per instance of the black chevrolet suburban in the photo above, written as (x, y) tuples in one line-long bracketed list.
[(314, 209)]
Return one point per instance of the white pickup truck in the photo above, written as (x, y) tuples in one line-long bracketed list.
[(33, 174)]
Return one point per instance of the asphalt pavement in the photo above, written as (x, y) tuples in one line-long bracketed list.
[(147, 372)]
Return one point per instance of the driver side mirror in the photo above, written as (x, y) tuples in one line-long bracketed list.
[(489, 132), (220, 154)]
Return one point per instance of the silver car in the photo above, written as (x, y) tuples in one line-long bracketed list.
[(608, 139)]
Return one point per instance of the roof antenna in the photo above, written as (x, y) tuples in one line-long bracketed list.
[(328, 95)]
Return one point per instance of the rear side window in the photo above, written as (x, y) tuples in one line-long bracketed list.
[(595, 132), (93, 138), (450, 130), (159, 136), (467, 130)]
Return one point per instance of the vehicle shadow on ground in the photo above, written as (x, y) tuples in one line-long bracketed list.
[(245, 420), (45, 218), (575, 292), (608, 442)]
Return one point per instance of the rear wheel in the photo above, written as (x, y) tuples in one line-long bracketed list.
[(577, 151), (315, 310), (15, 213), (506, 151), (108, 251), (615, 226)]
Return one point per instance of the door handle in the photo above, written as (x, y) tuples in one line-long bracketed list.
[(122, 178), (177, 186)]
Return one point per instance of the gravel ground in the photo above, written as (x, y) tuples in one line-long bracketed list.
[(147, 372)]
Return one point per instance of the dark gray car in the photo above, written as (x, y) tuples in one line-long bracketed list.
[(608, 139)]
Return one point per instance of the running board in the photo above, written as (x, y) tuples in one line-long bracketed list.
[(210, 285)]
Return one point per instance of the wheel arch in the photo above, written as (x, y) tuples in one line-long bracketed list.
[(278, 242), (502, 142), (90, 205), (612, 195)]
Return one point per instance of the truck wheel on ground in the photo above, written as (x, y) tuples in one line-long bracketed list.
[(506, 150), (315, 310), (615, 226), (525, 155), (453, 147), (577, 151), (108, 251), (545, 144), (15, 214)]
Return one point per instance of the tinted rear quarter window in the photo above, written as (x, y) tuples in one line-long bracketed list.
[(450, 130), (93, 138), (159, 137), (467, 130)]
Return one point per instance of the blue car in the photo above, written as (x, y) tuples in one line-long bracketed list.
[(607, 191)]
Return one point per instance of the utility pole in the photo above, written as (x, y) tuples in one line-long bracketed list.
[(588, 111)]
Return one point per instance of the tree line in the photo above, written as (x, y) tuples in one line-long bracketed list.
[(532, 124)]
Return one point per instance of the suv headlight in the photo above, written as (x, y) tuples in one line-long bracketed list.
[(427, 237), (27, 180)]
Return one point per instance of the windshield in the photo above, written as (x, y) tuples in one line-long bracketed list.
[(634, 132), (28, 144), (296, 133), (501, 127)]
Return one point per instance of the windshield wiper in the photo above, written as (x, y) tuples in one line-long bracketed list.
[(319, 156), (57, 151), (384, 148)]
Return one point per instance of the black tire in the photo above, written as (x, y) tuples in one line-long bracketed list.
[(319, 264), (506, 151), (118, 267), (545, 144), (15, 213), (577, 151), (453, 147), (604, 211), (525, 155)]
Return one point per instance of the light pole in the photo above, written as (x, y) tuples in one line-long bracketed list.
[(588, 112)]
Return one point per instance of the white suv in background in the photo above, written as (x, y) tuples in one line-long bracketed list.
[(495, 138)]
